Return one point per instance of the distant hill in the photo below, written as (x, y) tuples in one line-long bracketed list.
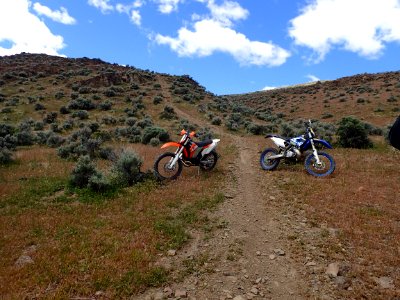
[(64, 94), (82, 91), (374, 98)]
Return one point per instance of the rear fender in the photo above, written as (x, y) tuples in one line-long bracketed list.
[(280, 142), (207, 149)]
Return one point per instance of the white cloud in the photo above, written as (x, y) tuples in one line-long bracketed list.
[(24, 31), (167, 6), (268, 88), (136, 18), (131, 11), (227, 12), (102, 5), (312, 78), (358, 26), (214, 34), (60, 16)]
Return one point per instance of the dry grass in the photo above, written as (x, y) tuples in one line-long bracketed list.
[(360, 201), (83, 243), (31, 163)]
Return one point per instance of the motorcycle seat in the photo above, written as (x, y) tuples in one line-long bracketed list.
[(277, 136), (203, 143)]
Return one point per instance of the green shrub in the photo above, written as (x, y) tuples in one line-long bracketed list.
[(39, 106), (74, 96), (106, 105), (157, 100), (64, 110), (287, 130), (168, 113), (59, 95), (360, 100), (108, 120), (372, 129), (50, 117), (146, 122), (68, 124), (6, 129), (5, 155), (80, 114), (154, 132), (8, 143), (352, 133), (38, 125), (80, 143), (204, 133), (257, 129), (54, 140), (6, 110), (126, 169), (98, 182), (216, 121), (84, 90), (131, 121), (133, 133), (81, 103), (25, 137), (84, 169), (155, 141), (185, 124)]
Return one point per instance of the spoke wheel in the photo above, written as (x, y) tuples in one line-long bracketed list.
[(267, 163), (324, 168), (209, 161), (163, 169)]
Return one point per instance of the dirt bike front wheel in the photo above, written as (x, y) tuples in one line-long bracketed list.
[(163, 169), (325, 167)]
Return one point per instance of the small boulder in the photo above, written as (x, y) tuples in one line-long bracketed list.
[(332, 270), (385, 282), (23, 260)]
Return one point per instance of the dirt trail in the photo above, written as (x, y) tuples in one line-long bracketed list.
[(252, 259), (249, 256)]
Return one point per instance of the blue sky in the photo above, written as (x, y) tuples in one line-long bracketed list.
[(229, 47)]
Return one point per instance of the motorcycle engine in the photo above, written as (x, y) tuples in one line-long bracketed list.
[(293, 153)]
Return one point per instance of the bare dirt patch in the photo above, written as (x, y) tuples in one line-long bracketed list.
[(248, 256)]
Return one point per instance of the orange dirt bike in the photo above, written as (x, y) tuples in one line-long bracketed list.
[(188, 153)]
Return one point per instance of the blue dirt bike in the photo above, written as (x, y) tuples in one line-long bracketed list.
[(317, 163)]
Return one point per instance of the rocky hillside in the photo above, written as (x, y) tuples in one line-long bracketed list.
[(58, 95), (33, 86), (373, 98)]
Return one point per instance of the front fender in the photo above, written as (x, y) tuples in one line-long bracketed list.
[(170, 144), (323, 143)]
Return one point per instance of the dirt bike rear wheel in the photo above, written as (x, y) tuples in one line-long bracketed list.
[(266, 163), (209, 161)]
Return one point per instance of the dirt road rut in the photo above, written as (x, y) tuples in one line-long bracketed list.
[(248, 257)]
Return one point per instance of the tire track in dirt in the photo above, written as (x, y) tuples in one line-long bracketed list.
[(263, 268), (249, 256)]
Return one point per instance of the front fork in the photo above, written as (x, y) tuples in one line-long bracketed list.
[(315, 152), (173, 160)]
